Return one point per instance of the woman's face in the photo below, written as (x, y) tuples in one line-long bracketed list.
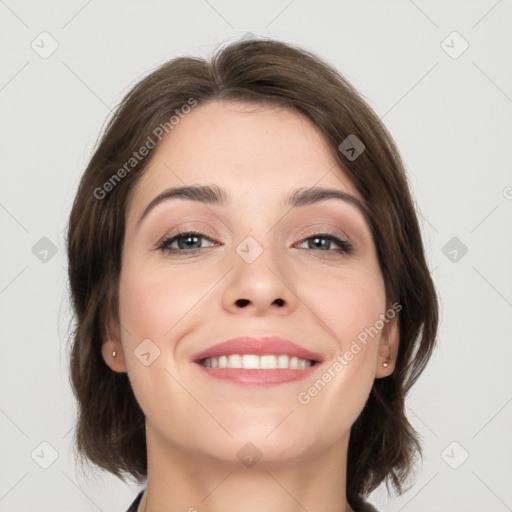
[(255, 266)]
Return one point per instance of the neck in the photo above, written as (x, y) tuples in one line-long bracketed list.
[(180, 480)]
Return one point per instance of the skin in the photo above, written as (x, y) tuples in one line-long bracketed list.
[(186, 302)]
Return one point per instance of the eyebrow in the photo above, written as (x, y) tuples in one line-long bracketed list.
[(215, 195)]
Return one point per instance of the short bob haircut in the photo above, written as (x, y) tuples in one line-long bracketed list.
[(110, 429)]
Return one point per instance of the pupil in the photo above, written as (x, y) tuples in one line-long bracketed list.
[(185, 241), (323, 242)]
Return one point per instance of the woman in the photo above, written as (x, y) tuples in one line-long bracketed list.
[(250, 288)]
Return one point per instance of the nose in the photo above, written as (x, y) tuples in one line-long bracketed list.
[(260, 287)]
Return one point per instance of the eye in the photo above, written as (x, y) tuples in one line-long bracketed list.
[(324, 242), (190, 241), (184, 241)]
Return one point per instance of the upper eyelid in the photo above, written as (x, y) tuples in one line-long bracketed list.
[(186, 228), (303, 233), (326, 229), (326, 226)]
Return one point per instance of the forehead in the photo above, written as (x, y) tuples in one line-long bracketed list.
[(247, 148)]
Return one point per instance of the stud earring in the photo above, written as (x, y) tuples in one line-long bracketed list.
[(114, 354), (385, 364)]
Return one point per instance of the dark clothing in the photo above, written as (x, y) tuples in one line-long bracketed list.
[(135, 504)]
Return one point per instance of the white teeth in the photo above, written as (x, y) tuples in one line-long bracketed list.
[(234, 361), (250, 362), (255, 362), (282, 361), (268, 362)]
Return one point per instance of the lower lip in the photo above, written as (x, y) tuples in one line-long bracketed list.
[(259, 377)]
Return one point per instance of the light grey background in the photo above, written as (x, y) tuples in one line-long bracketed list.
[(451, 117)]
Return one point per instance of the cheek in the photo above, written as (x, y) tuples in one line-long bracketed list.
[(162, 305), (346, 304), (152, 304), (152, 301), (349, 308)]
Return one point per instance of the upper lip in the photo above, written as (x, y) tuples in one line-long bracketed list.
[(269, 345)]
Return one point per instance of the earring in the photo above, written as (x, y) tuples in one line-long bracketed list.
[(114, 354), (385, 364)]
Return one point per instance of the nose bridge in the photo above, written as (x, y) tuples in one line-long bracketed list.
[(259, 279)]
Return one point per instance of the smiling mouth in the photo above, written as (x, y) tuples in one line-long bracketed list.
[(257, 362)]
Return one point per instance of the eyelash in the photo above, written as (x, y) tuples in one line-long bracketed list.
[(345, 247)]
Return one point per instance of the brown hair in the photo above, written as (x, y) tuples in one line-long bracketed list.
[(110, 425)]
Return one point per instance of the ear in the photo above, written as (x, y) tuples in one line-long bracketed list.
[(388, 348), (111, 344)]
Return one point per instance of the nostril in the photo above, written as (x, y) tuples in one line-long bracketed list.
[(242, 302)]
